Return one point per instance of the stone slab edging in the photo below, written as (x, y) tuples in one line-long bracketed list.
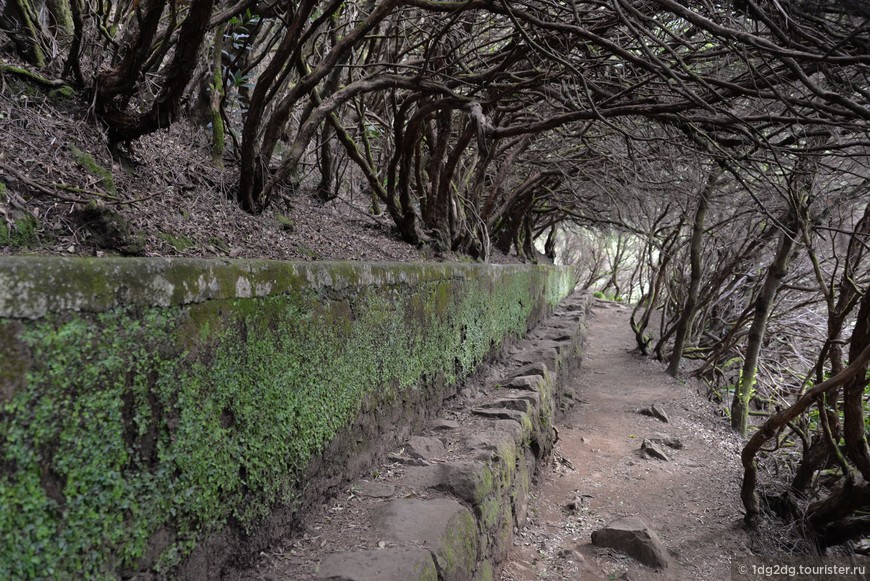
[(447, 505)]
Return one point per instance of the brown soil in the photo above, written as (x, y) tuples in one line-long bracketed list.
[(166, 196), (691, 501)]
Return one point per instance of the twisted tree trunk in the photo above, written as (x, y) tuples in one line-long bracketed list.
[(763, 306), (684, 327)]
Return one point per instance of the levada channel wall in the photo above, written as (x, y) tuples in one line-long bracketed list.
[(157, 413)]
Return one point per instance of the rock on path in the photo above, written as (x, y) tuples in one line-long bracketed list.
[(633, 537), (600, 475)]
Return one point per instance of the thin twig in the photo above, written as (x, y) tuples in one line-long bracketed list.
[(14, 173)]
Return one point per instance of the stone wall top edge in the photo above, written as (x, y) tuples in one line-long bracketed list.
[(33, 286)]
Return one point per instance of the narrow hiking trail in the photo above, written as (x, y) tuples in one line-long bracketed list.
[(598, 473)]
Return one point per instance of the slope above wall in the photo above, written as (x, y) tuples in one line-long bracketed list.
[(151, 408)]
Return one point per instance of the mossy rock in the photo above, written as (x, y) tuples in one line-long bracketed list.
[(179, 243), (62, 93), (308, 252), (457, 553), (485, 572), (22, 233), (285, 223), (87, 162), (219, 243)]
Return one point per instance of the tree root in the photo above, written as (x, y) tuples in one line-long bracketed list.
[(31, 76), (109, 200)]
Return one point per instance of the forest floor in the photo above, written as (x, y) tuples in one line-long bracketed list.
[(64, 191), (691, 501)]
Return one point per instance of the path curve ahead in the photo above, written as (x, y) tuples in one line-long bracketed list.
[(691, 500)]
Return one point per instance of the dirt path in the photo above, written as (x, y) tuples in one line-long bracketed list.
[(691, 501)]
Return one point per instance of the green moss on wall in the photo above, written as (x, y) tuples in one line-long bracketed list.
[(485, 572), (133, 422), (457, 553)]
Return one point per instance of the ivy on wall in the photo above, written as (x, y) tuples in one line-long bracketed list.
[(136, 432)]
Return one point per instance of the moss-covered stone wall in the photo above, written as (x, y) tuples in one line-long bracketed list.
[(147, 405)]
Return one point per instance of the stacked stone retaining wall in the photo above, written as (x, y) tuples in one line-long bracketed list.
[(448, 504)]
